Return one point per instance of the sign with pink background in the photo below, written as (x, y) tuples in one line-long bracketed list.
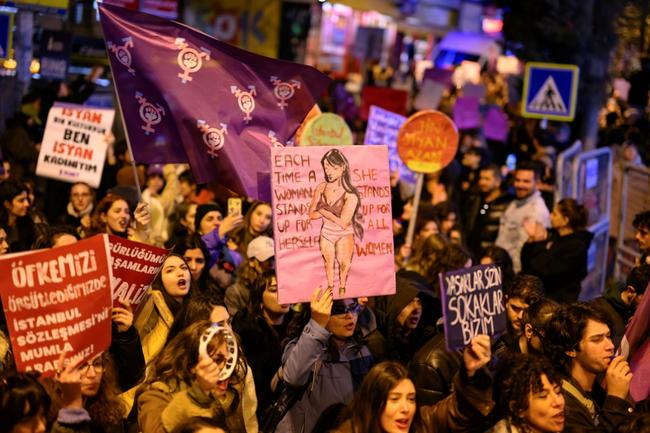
[(333, 225)]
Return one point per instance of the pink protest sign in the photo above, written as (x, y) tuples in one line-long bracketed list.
[(495, 125), (466, 114), (332, 216)]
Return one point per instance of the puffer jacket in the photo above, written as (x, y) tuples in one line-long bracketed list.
[(306, 360)]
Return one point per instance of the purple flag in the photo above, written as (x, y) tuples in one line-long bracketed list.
[(187, 97), (635, 346)]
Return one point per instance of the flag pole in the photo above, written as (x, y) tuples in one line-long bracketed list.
[(128, 140), (410, 232)]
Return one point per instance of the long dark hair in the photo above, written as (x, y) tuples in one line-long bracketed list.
[(192, 242), (370, 399), (199, 306), (174, 364), (242, 236), (259, 286), (9, 189), (157, 284), (575, 212), (21, 396), (25, 226), (105, 408), (335, 157), (426, 255)]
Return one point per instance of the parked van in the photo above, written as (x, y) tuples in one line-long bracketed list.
[(456, 47)]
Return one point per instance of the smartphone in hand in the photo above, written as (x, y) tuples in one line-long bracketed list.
[(234, 206)]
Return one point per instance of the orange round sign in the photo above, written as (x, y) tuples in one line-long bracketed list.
[(427, 142)]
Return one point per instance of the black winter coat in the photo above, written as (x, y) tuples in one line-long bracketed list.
[(560, 262)]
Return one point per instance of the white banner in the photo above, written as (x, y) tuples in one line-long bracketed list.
[(74, 144)]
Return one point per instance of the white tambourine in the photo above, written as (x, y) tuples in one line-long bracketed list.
[(231, 347)]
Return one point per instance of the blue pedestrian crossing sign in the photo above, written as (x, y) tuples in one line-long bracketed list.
[(550, 91), (6, 32)]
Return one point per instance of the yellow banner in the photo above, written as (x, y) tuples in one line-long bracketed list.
[(253, 25), (55, 4)]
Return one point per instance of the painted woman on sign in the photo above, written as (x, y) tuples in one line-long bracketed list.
[(338, 203)]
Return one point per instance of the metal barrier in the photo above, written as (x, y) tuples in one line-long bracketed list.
[(634, 198), (591, 181), (564, 171), (594, 283)]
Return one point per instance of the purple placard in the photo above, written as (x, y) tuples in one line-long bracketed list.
[(472, 304), (382, 129), (495, 125), (466, 112), (439, 75)]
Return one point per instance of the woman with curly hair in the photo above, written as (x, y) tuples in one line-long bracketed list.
[(89, 391), (530, 396), (201, 372)]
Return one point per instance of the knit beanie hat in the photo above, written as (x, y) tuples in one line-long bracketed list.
[(201, 211)]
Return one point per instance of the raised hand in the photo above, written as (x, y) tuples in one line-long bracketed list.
[(123, 316), (69, 380), (142, 216), (230, 223), (321, 305), (477, 354), (207, 373)]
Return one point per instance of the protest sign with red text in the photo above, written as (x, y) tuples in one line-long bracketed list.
[(58, 300), (135, 265)]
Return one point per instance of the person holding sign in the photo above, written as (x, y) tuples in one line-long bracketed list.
[(88, 391), (338, 203), (325, 359), (386, 400), (168, 292)]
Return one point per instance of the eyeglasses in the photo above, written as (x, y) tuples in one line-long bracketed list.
[(339, 308), (97, 365)]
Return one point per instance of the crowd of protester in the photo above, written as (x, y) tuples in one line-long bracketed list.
[(354, 365)]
